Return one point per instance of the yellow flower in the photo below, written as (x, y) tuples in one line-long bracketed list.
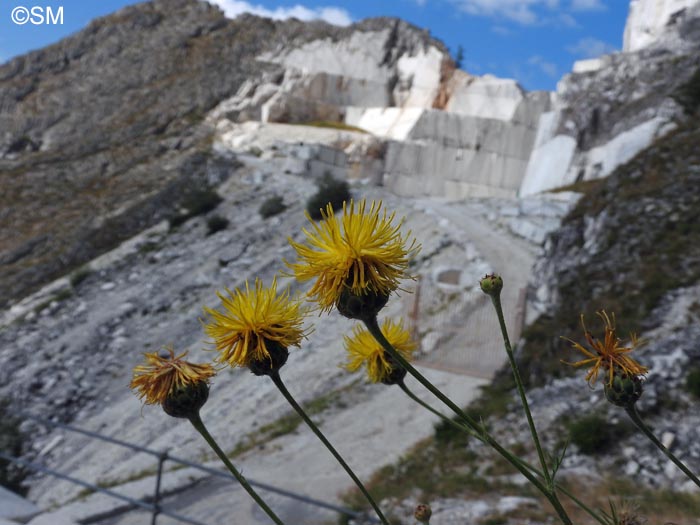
[(255, 322), (607, 353), (362, 253), (161, 376), (363, 349)]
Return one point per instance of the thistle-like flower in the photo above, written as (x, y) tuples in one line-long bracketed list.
[(179, 386), (607, 354), (358, 256), (256, 327), (363, 349)]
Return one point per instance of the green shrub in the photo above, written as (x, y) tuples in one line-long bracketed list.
[(79, 275), (692, 381), (216, 223), (196, 203), (11, 440), (688, 95), (330, 191), (446, 433), (271, 207), (592, 433)]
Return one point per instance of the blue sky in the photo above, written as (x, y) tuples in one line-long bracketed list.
[(533, 41)]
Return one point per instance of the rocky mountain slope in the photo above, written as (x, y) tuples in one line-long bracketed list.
[(101, 139), (150, 150)]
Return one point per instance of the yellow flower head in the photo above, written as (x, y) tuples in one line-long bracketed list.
[(607, 353), (253, 321), (161, 376), (362, 252), (363, 349)]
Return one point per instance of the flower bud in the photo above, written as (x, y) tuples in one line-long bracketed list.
[(624, 390), (423, 513), (491, 284), (268, 366), (361, 307), (186, 401)]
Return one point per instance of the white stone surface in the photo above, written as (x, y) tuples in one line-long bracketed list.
[(359, 56), (390, 122), (601, 161), (647, 21), (549, 161), (487, 96), (15, 507), (419, 78), (588, 65)]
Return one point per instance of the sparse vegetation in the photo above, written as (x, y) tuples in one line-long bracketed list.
[(272, 206), (196, 203), (216, 223), (79, 275), (692, 381), (11, 441), (333, 125), (287, 423), (330, 191), (58, 296), (633, 277), (688, 95), (592, 433)]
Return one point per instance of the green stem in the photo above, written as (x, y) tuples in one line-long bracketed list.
[(277, 380), (478, 436), (636, 418), (496, 299), (199, 425), (376, 332)]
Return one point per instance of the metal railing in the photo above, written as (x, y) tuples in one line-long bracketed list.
[(152, 504)]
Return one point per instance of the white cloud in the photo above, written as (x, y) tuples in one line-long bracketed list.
[(521, 11), (501, 30), (331, 14), (548, 68), (589, 47), (567, 20), (587, 5)]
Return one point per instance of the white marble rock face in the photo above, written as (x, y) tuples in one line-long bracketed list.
[(648, 19), (448, 133)]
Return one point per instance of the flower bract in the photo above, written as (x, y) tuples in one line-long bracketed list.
[(161, 376), (363, 349), (608, 353), (253, 321), (363, 252)]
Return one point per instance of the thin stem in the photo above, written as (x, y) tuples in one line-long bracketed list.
[(521, 390), (636, 418), (277, 380), (478, 436), (199, 425), (376, 332)]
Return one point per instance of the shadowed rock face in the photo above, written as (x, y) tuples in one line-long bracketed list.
[(101, 134)]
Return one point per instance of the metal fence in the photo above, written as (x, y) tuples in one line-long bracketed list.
[(152, 503)]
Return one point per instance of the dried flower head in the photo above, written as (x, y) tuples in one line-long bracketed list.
[(607, 353), (363, 349), (423, 513), (362, 253), (254, 323), (627, 514), (162, 376)]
